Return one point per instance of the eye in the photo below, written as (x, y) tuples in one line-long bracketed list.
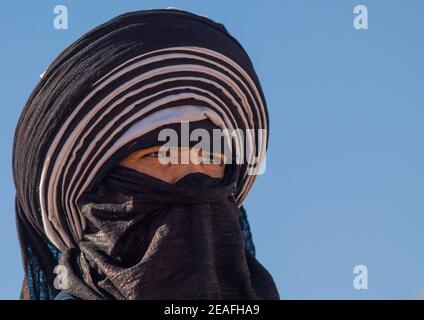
[(212, 158), (154, 154)]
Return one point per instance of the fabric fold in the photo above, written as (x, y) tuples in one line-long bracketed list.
[(190, 246)]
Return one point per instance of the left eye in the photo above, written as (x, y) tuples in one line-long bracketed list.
[(153, 154)]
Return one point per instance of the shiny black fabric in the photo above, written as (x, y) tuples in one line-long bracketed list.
[(148, 239)]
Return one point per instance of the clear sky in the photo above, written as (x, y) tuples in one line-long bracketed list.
[(344, 182)]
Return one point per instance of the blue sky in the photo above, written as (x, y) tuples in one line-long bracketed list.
[(345, 180)]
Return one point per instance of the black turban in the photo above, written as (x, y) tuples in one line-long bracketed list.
[(92, 107)]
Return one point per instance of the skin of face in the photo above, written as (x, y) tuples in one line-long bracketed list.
[(147, 161)]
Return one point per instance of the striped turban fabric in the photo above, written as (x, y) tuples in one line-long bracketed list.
[(120, 81)]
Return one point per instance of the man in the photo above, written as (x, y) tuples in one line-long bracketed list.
[(119, 211)]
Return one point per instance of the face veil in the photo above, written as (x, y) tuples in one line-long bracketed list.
[(94, 104)]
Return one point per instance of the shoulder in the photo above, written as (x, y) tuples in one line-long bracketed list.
[(65, 296)]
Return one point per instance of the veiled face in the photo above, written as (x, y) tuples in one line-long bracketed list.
[(183, 162)]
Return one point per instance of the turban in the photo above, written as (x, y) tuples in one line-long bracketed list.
[(119, 82)]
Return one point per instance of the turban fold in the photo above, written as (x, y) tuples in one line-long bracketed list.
[(124, 79)]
